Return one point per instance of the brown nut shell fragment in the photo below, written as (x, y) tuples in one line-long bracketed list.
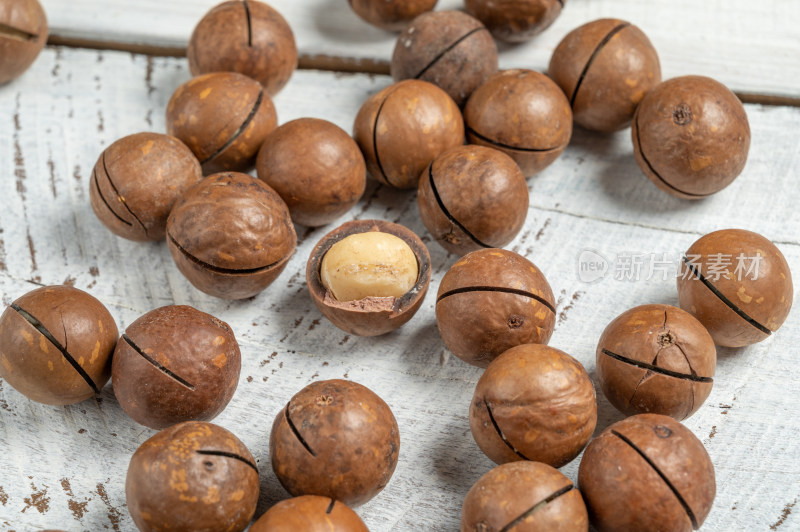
[(523, 497), (691, 136), (473, 197), (523, 114), (56, 344), (175, 364), (402, 128), (738, 285), (335, 438), (23, 34), (647, 472), (515, 20), (371, 316), (309, 513), (248, 37), (605, 68), (137, 180), (656, 358), (450, 49), (223, 117), (231, 235), (192, 476), (490, 301), (391, 15)]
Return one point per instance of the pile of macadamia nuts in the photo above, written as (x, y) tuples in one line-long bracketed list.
[(335, 444)]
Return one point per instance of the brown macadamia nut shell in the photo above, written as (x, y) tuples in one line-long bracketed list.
[(658, 359), (370, 316), (391, 15), (337, 439), (23, 36), (315, 167), (248, 37), (632, 475), (490, 301), (535, 403), (137, 180), (738, 308), (56, 344), (231, 235), (175, 364), (515, 21), (473, 197), (223, 117), (691, 136), (192, 476), (605, 68), (523, 114), (309, 513), (402, 128)]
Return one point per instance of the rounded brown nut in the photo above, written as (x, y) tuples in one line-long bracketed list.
[(402, 128), (175, 364), (490, 301), (738, 285), (523, 114), (536, 403), (691, 136), (647, 472), (337, 439), (137, 180), (231, 235), (391, 15), (23, 34), (248, 37), (316, 167), (605, 68), (472, 197), (309, 513), (656, 358), (515, 20), (370, 316), (223, 118), (192, 476), (56, 344), (525, 497), (450, 49)]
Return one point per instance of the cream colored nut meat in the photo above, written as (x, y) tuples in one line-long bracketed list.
[(372, 264)]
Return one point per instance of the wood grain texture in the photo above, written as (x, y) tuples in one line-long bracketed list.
[(65, 466)]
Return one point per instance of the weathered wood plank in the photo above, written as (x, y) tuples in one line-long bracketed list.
[(56, 119)]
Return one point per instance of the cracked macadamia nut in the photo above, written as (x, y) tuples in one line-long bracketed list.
[(490, 301), (175, 364), (473, 197), (402, 128), (656, 358), (223, 117), (231, 235), (56, 344), (523, 114), (515, 20), (337, 439), (192, 476), (691, 136), (369, 277), (248, 37), (310, 513), (524, 496), (738, 285), (535, 403), (450, 49), (605, 68), (137, 180), (391, 15), (315, 167), (23, 34), (647, 472)]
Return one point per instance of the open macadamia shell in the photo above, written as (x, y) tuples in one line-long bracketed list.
[(391, 15), (515, 21), (309, 513), (23, 35), (371, 316)]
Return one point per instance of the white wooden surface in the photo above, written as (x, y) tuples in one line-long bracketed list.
[(65, 467)]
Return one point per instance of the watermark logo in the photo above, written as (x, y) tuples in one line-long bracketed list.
[(592, 266)]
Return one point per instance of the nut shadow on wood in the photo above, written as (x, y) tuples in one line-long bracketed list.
[(335, 20)]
